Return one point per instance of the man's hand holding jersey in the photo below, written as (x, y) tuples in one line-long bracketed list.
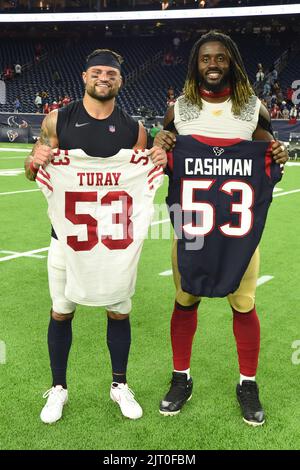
[(279, 152), (158, 156), (165, 139), (42, 155)]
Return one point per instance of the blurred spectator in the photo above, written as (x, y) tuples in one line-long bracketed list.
[(164, 4), (38, 103), (276, 87), (293, 113), (285, 113), (260, 73), (66, 100), (46, 108), (54, 105), (38, 52), (176, 43), (8, 73), (168, 58), (267, 88), (275, 112), (268, 100), (274, 75), (17, 105), (56, 77), (45, 97), (289, 94)]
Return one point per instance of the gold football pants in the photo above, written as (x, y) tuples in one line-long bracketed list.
[(242, 300)]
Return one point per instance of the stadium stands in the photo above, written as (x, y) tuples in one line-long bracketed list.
[(146, 78)]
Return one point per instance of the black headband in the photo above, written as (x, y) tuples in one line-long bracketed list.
[(103, 58)]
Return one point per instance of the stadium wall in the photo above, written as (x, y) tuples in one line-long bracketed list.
[(29, 125)]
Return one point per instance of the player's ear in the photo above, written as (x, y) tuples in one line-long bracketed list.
[(84, 77)]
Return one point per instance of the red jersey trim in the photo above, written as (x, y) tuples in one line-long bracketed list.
[(44, 173), (153, 170), (44, 183), (268, 160), (213, 141), (170, 160), (161, 172)]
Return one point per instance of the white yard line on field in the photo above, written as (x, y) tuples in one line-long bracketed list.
[(8, 149), (24, 254), (287, 192), (157, 222), (8, 252), (18, 192), (263, 279), (12, 172), (169, 272), (12, 158)]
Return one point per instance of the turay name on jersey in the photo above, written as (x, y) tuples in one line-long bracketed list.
[(223, 190), (98, 179), (218, 166)]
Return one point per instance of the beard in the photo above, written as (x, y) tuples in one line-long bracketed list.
[(215, 87), (112, 93)]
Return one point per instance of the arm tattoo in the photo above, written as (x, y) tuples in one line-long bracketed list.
[(44, 138)]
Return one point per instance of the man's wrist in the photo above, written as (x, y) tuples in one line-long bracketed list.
[(33, 169)]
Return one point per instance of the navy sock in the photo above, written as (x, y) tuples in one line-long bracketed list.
[(59, 344), (118, 342)]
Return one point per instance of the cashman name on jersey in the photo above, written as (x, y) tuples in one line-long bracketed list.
[(218, 166)]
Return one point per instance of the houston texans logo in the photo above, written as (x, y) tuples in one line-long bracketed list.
[(218, 151), (12, 135)]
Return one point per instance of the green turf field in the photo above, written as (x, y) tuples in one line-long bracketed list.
[(211, 420)]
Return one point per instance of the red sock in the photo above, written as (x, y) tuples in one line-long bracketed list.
[(183, 328), (246, 330)]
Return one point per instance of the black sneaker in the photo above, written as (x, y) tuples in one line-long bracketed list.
[(247, 395), (179, 393)]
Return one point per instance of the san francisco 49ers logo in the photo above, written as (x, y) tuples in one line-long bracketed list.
[(218, 151)]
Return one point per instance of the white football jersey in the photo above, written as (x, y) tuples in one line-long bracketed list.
[(100, 209)]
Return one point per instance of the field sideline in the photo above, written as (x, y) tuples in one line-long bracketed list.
[(211, 420)]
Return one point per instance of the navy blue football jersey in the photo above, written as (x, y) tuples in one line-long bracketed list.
[(218, 199)]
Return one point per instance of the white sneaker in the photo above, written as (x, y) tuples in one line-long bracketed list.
[(121, 394), (57, 398)]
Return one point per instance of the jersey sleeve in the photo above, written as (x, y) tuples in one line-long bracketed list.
[(272, 169), (155, 178), (43, 180)]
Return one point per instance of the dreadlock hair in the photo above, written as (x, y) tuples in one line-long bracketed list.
[(239, 81)]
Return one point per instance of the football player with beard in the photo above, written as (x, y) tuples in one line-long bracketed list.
[(218, 103), (99, 127)]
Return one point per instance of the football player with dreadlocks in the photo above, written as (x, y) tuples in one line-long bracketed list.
[(218, 103)]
